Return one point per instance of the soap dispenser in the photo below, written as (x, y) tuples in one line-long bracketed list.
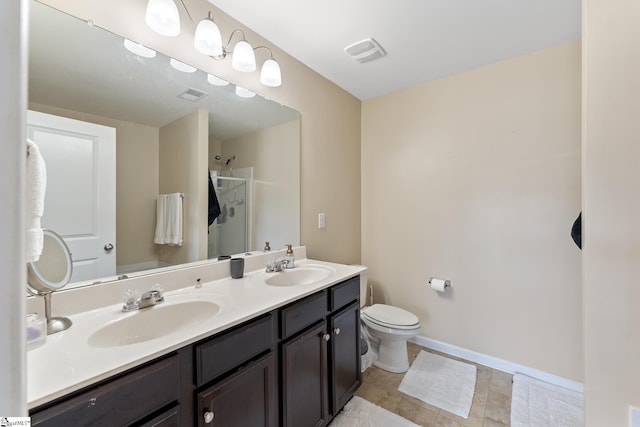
[(267, 248), (289, 257)]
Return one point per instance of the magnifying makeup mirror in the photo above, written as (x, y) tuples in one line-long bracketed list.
[(50, 273)]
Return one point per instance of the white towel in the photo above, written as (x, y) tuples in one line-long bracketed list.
[(169, 220), (36, 187)]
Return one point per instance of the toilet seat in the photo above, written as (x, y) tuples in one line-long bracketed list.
[(391, 317)]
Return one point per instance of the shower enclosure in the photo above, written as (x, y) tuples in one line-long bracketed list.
[(230, 233)]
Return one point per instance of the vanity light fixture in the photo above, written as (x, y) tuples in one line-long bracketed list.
[(162, 16), (138, 49), (207, 39), (181, 66), (270, 73)]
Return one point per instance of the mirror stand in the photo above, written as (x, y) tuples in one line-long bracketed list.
[(54, 324), (52, 271)]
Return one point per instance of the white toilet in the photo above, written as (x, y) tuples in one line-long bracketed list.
[(386, 329)]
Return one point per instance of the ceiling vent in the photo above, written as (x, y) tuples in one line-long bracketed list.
[(192, 94), (365, 50)]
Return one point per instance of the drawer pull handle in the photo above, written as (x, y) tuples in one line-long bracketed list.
[(337, 331), (208, 417), (326, 337)]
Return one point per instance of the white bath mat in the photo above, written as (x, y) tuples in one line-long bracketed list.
[(362, 413), (442, 382), (535, 403)]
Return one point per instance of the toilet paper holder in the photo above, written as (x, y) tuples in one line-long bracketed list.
[(439, 285)]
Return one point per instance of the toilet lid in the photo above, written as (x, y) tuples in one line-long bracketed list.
[(388, 315)]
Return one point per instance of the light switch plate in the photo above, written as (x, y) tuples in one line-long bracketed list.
[(321, 220), (634, 418)]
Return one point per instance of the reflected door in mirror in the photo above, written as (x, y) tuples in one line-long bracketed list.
[(80, 195)]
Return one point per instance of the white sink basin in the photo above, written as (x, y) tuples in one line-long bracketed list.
[(305, 275), (153, 322)]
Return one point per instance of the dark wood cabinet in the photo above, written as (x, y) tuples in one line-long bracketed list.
[(126, 400), (304, 378), (295, 366), (320, 365), (246, 398), (344, 347)]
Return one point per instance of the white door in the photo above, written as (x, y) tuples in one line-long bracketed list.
[(80, 198)]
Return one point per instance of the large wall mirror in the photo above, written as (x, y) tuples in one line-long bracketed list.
[(173, 130)]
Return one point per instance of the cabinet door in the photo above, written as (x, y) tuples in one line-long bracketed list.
[(247, 398), (304, 379), (345, 355)]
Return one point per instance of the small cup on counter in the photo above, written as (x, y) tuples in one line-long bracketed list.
[(237, 267)]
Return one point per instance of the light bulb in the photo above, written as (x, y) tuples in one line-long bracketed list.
[(244, 59), (162, 17), (207, 39), (270, 73)]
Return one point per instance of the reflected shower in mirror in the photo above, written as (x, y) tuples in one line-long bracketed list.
[(169, 126)]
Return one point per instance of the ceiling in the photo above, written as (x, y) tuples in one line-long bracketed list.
[(424, 39)]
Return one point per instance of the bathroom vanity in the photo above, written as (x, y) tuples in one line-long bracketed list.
[(277, 351)]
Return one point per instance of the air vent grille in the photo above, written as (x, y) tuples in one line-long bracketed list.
[(365, 50), (192, 94)]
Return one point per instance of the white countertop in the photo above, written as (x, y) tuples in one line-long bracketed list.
[(67, 362)]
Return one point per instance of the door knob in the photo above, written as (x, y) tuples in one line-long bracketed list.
[(108, 247), (326, 337), (337, 331)]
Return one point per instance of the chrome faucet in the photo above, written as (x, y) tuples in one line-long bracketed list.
[(134, 302), (276, 265)]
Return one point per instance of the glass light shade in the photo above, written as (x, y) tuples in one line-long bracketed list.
[(181, 66), (270, 73), (216, 81), (139, 49), (244, 93), (162, 17), (244, 59), (207, 39)]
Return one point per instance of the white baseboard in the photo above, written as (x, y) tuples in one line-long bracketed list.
[(496, 363)]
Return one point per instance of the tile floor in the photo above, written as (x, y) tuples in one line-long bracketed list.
[(491, 402)]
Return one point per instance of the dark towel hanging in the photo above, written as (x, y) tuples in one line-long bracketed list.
[(214, 206), (576, 231)]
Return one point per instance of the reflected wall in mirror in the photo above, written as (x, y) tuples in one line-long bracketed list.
[(172, 129)]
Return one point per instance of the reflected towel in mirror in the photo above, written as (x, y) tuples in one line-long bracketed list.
[(36, 187), (169, 220)]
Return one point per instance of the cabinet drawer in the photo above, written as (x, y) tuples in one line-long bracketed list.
[(118, 402), (344, 293), (303, 313), (231, 349)]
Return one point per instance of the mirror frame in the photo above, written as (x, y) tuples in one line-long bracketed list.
[(37, 283)]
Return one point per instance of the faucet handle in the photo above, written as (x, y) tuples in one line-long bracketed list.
[(157, 293), (130, 300)]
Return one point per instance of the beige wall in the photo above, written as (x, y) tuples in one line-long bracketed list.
[(476, 178), (611, 178), (330, 118), (136, 184), (184, 147), (274, 154)]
